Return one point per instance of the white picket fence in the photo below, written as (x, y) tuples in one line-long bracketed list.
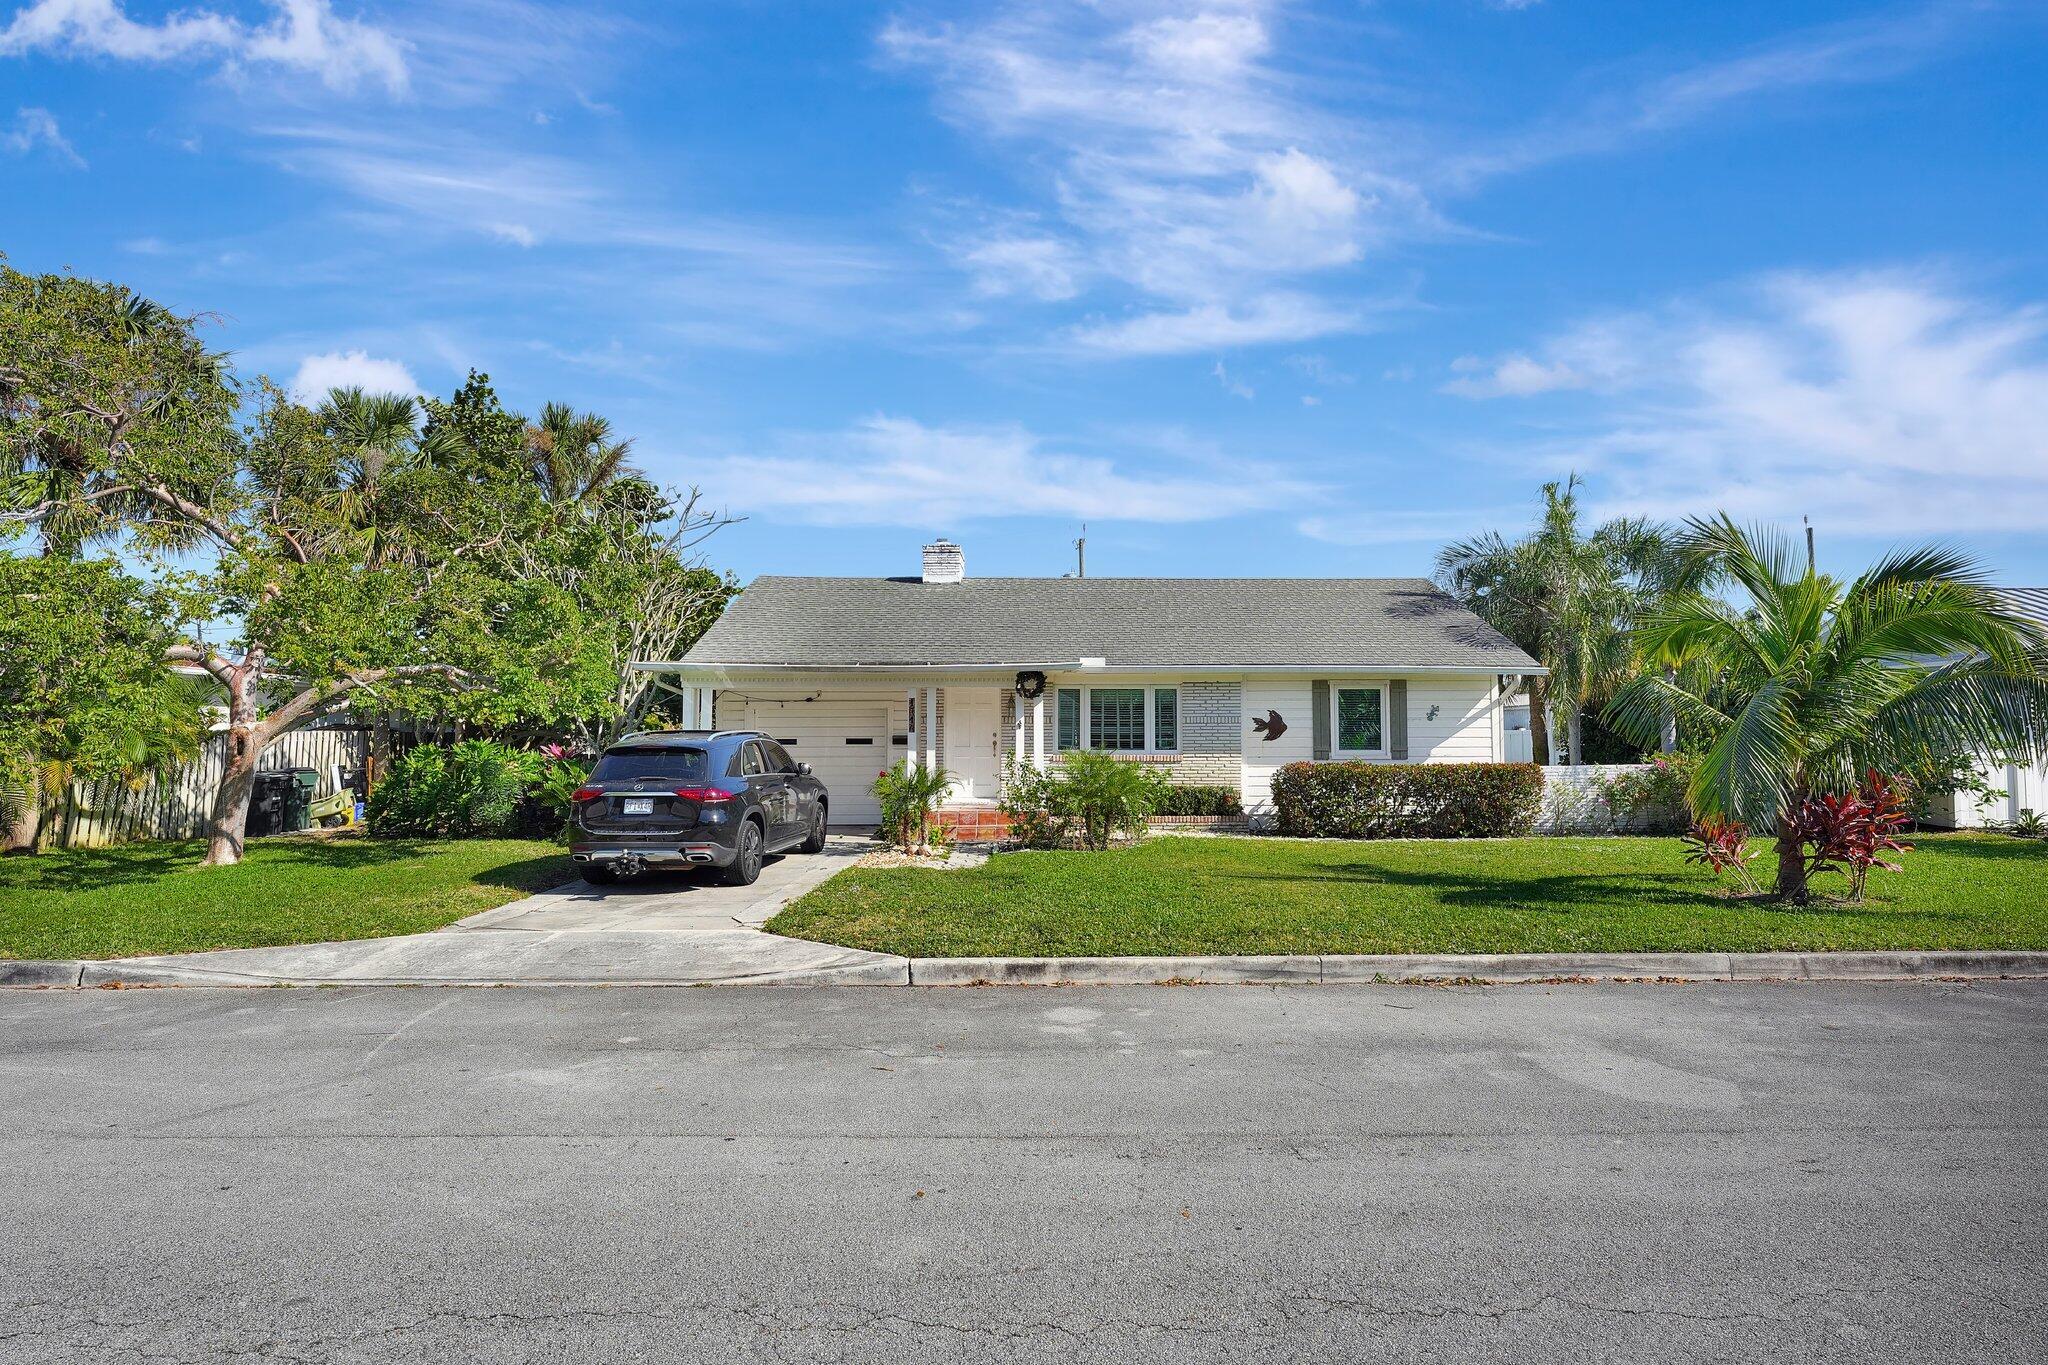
[(174, 805), (1572, 804)]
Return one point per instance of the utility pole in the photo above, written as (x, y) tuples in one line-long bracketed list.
[(1809, 545), (1081, 553)]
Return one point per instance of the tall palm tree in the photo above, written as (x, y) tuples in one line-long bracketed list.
[(373, 435), (573, 456), (1812, 682), (1570, 599)]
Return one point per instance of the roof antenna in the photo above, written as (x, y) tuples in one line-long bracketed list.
[(1081, 553), (1808, 522)]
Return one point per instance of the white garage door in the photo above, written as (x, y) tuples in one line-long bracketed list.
[(846, 743)]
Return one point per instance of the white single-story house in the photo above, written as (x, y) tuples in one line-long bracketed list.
[(1217, 680), (2016, 788)]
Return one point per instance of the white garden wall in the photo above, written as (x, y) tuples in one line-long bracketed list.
[(1572, 804)]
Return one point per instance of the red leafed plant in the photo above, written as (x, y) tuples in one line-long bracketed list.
[(1851, 833), (1722, 845)]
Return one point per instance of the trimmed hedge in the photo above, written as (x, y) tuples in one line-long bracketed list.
[(1195, 799), (1407, 800)]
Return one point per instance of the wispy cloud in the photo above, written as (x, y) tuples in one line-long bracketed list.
[(36, 129), (1176, 162), (301, 35), (1865, 49), (1889, 401), (896, 471)]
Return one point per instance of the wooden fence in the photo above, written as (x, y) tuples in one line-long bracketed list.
[(174, 804)]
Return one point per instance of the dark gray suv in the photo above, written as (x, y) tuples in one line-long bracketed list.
[(724, 799)]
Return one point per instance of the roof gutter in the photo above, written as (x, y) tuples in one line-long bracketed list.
[(1091, 665)]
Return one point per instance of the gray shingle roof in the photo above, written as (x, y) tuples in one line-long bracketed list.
[(1130, 622)]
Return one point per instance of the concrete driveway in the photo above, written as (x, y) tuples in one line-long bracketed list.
[(686, 902), (665, 930)]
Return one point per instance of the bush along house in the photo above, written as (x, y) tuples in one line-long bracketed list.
[(1220, 681)]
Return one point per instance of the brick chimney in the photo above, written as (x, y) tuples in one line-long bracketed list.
[(944, 562)]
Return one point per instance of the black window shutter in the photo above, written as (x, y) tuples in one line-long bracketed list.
[(1319, 718)]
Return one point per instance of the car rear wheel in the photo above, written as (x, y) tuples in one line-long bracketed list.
[(814, 842), (745, 868)]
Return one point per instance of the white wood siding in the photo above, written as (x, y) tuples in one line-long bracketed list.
[(1466, 728)]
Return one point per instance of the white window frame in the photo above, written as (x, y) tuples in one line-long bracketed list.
[(1378, 685), (1087, 734)]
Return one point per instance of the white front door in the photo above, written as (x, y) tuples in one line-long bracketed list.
[(972, 715)]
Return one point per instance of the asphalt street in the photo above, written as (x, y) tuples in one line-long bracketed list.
[(1785, 1172)]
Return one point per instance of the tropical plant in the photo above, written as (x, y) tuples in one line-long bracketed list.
[(573, 456), (2028, 824), (1036, 802), (1723, 845), (1109, 795), (910, 793), (1850, 832), (1810, 682), (1569, 598), (470, 789)]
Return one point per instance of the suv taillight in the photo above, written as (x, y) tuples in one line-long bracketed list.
[(704, 796), (582, 794)]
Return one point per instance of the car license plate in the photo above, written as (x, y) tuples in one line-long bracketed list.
[(639, 805)]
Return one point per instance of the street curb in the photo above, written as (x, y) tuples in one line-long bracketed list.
[(1302, 969), (34, 973), (1503, 968)]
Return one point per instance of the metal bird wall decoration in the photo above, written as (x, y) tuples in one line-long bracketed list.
[(1271, 727)]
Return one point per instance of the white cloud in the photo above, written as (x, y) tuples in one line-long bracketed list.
[(302, 35), (1514, 376), (350, 369), (35, 128), (1210, 326), (1043, 267), (1174, 160), (1236, 388), (1882, 402), (892, 471)]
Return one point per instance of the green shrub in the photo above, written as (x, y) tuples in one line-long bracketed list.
[(471, 789), (1407, 800), (1036, 800), (1193, 799), (1087, 799), (909, 793), (1655, 789)]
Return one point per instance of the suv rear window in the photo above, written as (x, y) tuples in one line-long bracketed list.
[(628, 765)]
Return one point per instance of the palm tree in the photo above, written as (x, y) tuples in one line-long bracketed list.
[(373, 435), (1813, 682), (573, 456), (1569, 599)]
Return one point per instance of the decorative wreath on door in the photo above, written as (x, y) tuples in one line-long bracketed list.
[(1031, 686)]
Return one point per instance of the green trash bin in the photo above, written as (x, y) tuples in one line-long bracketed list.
[(299, 800)]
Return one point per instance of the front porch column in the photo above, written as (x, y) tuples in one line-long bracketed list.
[(931, 729), (1038, 730)]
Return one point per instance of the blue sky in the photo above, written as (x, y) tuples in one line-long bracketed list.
[(1247, 286)]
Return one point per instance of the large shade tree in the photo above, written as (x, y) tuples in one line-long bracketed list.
[(83, 690), (1569, 597), (1808, 683)]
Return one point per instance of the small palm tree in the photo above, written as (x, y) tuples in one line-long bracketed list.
[(1813, 682), (909, 793), (1569, 597)]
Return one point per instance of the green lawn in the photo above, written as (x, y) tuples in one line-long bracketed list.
[(154, 898), (1241, 895)]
